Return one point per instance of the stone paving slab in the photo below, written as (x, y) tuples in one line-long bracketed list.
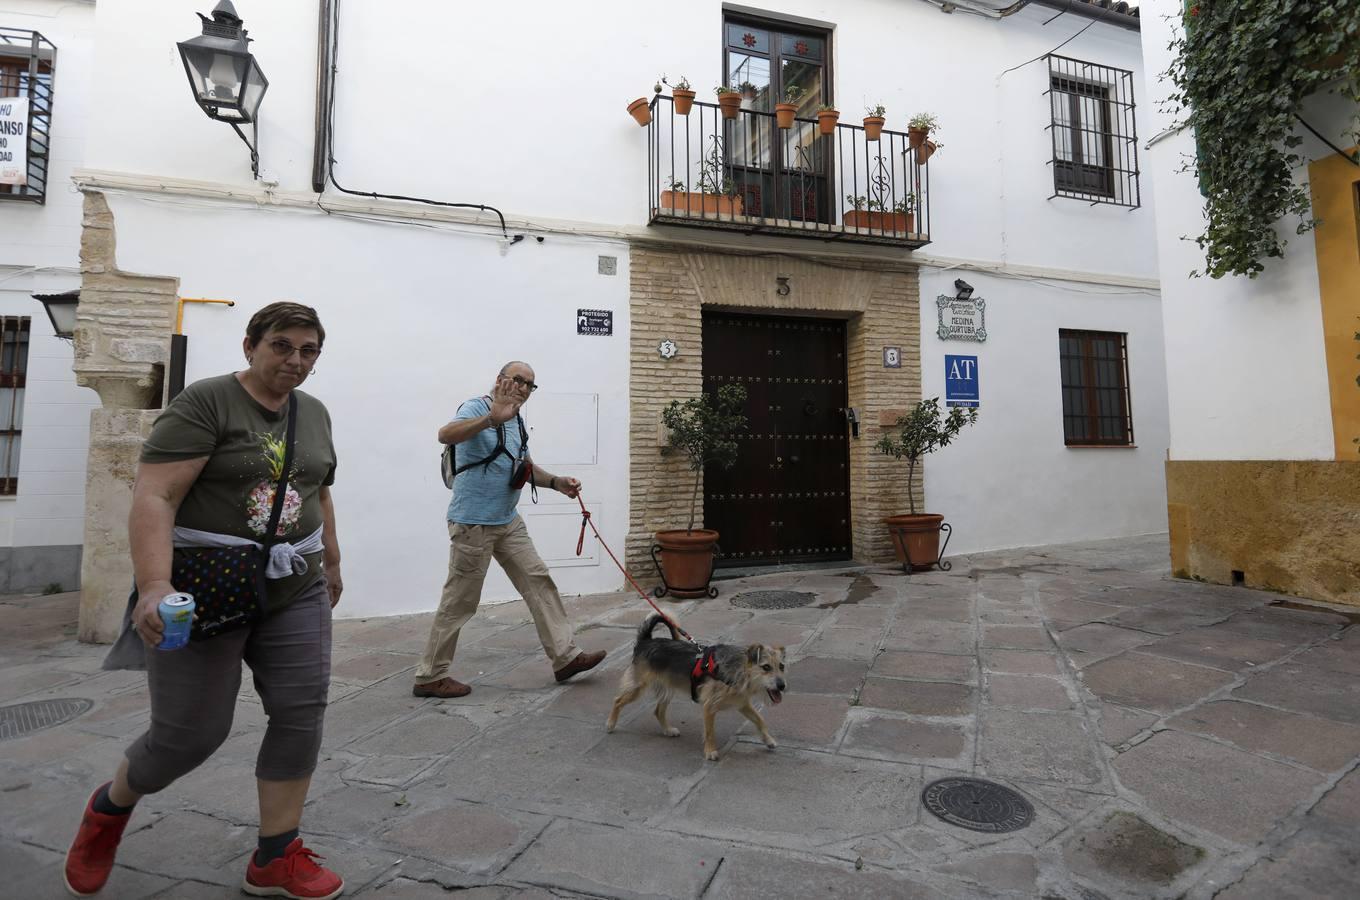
[(894, 680)]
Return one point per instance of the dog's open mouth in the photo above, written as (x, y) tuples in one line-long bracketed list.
[(775, 696)]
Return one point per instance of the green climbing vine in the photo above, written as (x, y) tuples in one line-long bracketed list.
[(1241, 72)]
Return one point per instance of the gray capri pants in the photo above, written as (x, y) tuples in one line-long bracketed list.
[(193, 695)]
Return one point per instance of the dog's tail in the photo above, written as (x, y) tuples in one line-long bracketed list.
[(644, 632)]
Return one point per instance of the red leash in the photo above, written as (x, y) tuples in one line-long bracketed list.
[(580, 544)]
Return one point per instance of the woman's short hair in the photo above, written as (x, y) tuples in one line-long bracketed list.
[(282, 315)]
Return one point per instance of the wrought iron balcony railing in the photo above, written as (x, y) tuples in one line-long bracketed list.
[(745, 173)]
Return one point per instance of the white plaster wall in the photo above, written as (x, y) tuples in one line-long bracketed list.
[(39, 253), (1009, 480), (528, 113), (417, 320), (1246, 369)]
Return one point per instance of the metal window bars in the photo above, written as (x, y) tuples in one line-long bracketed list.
[(747, 174), (14, 331), (27, 66), (1093, 133)]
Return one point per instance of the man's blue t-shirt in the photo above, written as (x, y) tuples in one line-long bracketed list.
[(482, 495)]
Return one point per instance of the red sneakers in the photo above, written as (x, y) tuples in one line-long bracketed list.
[(293, 875), (90, 859)]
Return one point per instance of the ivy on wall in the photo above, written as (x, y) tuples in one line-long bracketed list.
[(1241, 71)]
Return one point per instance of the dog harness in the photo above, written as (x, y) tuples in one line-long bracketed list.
[(705, 666)]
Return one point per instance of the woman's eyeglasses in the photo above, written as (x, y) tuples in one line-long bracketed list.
[(523, 382), (285, 349)]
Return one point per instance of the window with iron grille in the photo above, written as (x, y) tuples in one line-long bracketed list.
[(27, 64), (1095, 142), (1095, 388), (13, 377)]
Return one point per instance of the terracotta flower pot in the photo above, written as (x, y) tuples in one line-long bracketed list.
[(730, 105), (924, 152), (903, 223), (826, 121), (687, 560), (683, 100), (873, 127), (915, 539), (784, 113), (695, 203), (916, 137), (640, 110)]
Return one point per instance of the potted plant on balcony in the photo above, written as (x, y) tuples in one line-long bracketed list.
[(784, 112), (919, 128), (641, 111), (873, 122), (703, 428), (827, 117), (749, 92), (681, 94), (729, 100), (926, 150), (916, 537), (717, 195), (871, 214)]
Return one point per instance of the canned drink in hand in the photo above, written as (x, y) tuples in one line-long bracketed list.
[(177, 612)]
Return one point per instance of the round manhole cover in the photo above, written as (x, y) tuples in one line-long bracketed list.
[(772, 599), (977, 805), (26, 718)]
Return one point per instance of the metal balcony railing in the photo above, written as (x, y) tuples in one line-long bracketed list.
[(745, 173)]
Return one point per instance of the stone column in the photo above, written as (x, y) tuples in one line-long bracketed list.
[(122, 347)]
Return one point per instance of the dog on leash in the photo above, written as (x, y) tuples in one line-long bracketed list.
[(718, 677)]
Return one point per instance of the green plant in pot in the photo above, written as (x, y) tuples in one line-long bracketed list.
[(704, 430), (922, 431), (919, 128), (784, 112)]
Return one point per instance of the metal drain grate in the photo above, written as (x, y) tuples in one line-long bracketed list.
[(26, 718), (977, 805), (772, 599)]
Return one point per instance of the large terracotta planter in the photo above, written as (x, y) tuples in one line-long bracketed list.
[(902, 223), (687, 561), (915, 538), (730, 104), (694, 203), (784, 113), (683, 100), (641, 111)]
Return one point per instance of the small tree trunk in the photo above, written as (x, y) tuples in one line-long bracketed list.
[(911, 485), (693, 502)]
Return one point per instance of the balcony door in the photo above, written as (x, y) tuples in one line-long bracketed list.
[(778, 173)]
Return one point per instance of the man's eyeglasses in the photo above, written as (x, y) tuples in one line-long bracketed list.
[(285, 349), (524, 383)]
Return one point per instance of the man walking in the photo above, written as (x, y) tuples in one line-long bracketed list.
[(491, 457)]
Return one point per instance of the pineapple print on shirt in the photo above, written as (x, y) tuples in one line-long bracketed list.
[(260, 500)]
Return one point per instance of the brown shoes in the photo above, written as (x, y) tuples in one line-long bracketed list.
[(583, 662), (444, 689)]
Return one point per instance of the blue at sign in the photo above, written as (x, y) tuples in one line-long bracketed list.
[(961, 381)]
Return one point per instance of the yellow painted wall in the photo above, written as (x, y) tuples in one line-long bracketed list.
[(1336, 203)]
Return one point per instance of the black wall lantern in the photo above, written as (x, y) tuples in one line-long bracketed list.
[(224, 76)]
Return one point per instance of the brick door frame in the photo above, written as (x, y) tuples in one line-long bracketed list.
[(670, 287)]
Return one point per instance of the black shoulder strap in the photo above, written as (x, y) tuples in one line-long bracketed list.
[(499, 449)]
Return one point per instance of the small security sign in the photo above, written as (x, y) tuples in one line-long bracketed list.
[(961, 381), (595, 321)]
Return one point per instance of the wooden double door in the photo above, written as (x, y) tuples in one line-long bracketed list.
[(787, 499)]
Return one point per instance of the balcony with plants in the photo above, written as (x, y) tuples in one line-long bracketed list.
[(790, 168)]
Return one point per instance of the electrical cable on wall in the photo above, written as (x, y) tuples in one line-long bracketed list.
[(330, 145)]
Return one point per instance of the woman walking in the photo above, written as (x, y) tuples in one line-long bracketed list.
[(209, 478)]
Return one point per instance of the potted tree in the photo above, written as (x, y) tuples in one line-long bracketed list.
[(827, 116), (681, 94), (784, 112), (873, 122), (916, 537), (729, 100), (703, 429), (919, 128)]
